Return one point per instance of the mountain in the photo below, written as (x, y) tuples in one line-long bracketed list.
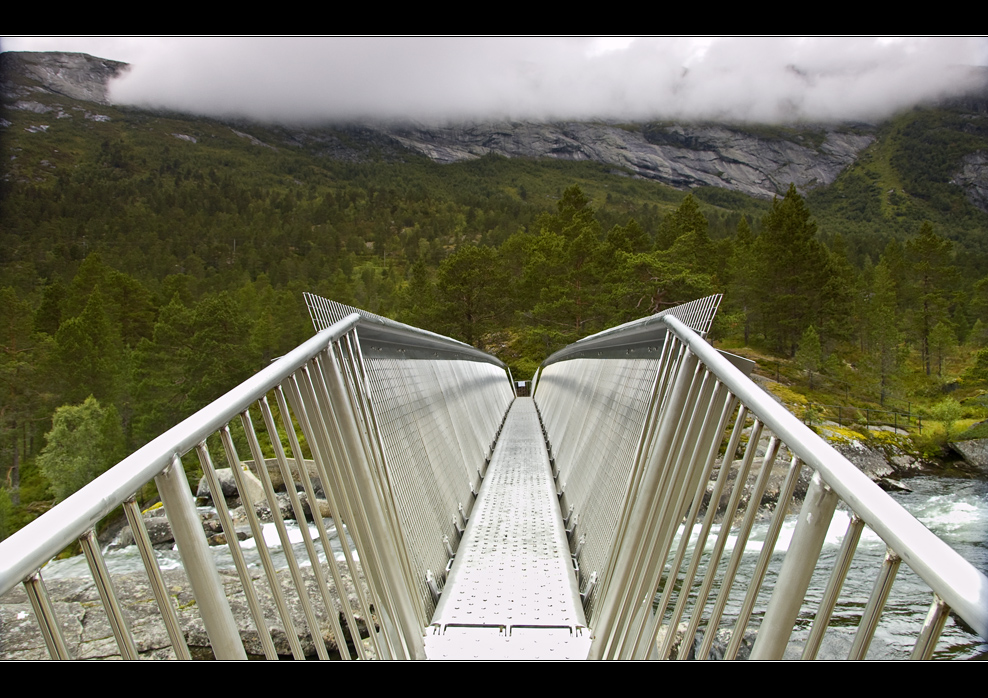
[(25, 74), (754, 160)]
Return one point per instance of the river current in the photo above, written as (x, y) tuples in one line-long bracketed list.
[(956, 509)]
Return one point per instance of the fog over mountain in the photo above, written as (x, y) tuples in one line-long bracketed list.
[(451, 79)]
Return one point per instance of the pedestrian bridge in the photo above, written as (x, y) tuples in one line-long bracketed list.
[(603, 518)]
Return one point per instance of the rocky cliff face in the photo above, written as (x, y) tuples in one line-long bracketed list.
[(76, 75), (680, 155)]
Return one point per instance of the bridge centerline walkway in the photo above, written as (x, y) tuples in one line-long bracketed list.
[(512, 591)]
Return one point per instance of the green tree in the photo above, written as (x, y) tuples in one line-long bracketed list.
[(88, 354), (931, 277), (84, 441), (884, 338), (686, 219), (570, 266), (809, 356), (18, 392), (943, 340), (837, 300), (947, 412), (471, 285), (196, 355), (791, 265), (418, 302), (6, 514), (742, 271)]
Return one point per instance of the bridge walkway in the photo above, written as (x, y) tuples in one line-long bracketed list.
[(512, 590)]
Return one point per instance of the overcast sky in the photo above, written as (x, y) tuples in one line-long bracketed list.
[(453, 79)]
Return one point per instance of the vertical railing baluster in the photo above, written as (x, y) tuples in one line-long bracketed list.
[(926, 643), (317, 520), (314, 428), (107, 594), (321, 586), (673, 353), (168, 615), (321, 431), (713, 438), (797, 570), (617, 609), (876, 603), (51, 630), (701, 541), (722, 536), (368, 538), (360, 396), (198, 563), (257, 530), (741, 540), (829, 599), (768, 548), (233, 544), (389, 565), (691, 442), (279, 523)]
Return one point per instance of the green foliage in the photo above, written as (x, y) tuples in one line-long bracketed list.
[(947, 412), (88, 354), (471, 302), (976, 431), (883, 339), (196, 355), (6, 514), (809, 355), (931, 276), (979, 370), (83, 442), (791, 268)]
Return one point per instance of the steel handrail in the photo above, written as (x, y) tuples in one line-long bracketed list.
[(27, 550), (948, 574)]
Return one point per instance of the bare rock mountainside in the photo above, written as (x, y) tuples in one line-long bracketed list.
[(755, 160), (76, 75)]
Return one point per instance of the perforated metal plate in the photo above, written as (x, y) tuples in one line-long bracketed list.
[(512, 592)]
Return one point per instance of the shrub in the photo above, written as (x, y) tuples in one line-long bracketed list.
[(83, 442)]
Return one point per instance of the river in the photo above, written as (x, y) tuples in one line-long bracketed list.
[(954, 508)]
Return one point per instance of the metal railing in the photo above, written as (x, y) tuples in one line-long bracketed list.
[(392, 426), (643, 435)]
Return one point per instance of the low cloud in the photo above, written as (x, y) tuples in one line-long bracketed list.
[(451, 79)]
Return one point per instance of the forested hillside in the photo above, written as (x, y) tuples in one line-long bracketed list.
[(149, 262)]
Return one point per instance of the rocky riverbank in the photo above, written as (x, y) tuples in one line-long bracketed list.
[(87, 630)]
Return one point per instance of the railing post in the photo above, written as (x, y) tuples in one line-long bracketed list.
[(614, 601), (198, 562), (797, 569), (369, 494), (51, 631)]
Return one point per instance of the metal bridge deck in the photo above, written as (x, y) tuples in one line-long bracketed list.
[(512, 591)]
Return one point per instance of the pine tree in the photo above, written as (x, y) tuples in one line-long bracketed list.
[(791, 266), (931, 276), (884, 338), (742, 270), (809, 356), (470, 285)]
